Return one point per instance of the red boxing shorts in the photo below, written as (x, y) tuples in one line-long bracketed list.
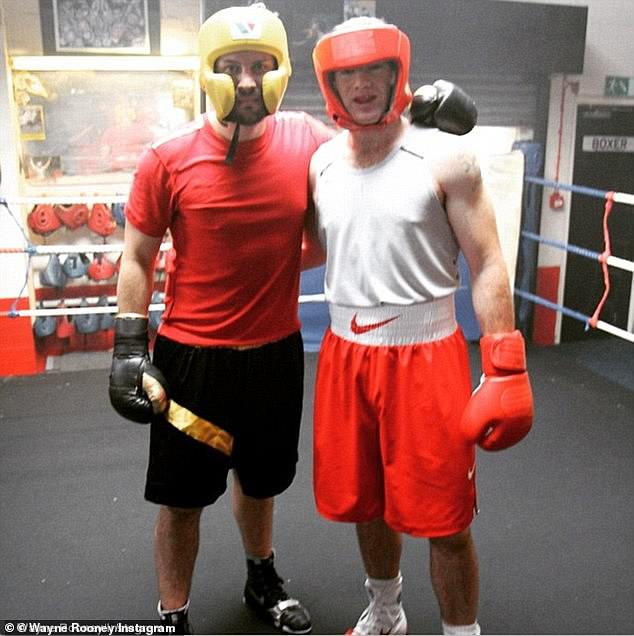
[(386, 438)]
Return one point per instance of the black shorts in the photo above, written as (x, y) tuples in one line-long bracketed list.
[(254, 394)]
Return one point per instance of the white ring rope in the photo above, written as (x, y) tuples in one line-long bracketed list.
[(59, 199), (621, 197), (72, 249), (71, 307)]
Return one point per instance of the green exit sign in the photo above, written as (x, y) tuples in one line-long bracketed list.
[(616, 86)]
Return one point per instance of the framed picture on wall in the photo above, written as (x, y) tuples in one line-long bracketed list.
[(102, 27), (31, 118)]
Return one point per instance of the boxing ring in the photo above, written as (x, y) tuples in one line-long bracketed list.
[(312, 307), (72, 470), (76, 539)]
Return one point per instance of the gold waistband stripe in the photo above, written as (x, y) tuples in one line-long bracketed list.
[(199, 428)]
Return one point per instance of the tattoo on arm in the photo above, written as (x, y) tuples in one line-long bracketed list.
[(471, 169)]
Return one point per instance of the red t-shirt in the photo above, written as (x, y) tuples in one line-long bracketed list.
[(233, 277)]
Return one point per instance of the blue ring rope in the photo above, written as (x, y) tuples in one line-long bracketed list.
[(582, 251), (547, 303), (30, 251), (592, 192)]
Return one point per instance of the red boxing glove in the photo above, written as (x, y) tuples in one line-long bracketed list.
[(500, 411)]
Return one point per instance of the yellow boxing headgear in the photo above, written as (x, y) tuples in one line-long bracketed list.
[(252, 28)]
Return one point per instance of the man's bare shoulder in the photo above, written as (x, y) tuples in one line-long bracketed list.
[(434, 145), (449, 157)]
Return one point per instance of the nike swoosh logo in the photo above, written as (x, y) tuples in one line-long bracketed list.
[(355, 327), (470, 473)]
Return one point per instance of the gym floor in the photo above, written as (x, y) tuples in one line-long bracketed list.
[(555, 534)]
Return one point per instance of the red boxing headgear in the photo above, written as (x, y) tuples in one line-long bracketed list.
[(101, 220), (74, 215), (43, 220), (359, 42)]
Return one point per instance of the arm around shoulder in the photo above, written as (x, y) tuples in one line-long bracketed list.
[(313, 254)]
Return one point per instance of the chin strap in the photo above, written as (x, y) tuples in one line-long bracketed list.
[(233, 145)]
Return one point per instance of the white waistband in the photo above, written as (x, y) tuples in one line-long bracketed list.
[(392, 325)]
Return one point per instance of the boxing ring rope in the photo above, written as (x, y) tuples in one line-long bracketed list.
[(88, 199), (604, 258), (69, 310), (618, 197), (34, 249), (600, 324), (71, 307), (619, 263)]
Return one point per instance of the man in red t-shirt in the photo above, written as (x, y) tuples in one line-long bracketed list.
[(224, 390)]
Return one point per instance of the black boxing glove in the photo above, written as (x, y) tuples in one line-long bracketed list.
[(445, 106), (132, 373)]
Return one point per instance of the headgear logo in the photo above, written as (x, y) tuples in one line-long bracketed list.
[(246, 30)]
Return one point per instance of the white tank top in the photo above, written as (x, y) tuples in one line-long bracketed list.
[(387, 235)]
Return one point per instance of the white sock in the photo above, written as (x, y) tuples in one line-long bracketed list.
[(384, 614), (387, 590), (461, 630), (163, 612)]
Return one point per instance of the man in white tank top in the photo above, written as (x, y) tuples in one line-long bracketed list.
[(395, 422)]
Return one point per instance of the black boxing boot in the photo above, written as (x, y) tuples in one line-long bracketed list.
[(176, 618), (264, 592)]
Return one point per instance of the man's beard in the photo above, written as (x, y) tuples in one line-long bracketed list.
[(247, 116)]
